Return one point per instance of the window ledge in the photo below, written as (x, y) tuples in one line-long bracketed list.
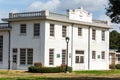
[(22, 34), (36, 37), (51, 37)]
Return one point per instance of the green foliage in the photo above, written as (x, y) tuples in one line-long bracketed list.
[(38, 64), (112, 66), (36, 69), (114, 40), (117, 66), (113, 11)]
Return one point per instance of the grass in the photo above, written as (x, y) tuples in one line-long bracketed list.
[(98, 72), (76, 75)]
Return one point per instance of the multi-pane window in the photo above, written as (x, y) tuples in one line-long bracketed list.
[(79, 58), (14, 55), (29, 56), (23, 29), (36, 29), (64, 29), (79, 52), (1, 48), (103, 35), (63, 56), (51, 56), (93, 54), (103, 54), (22, 56), (79, 31), (118, 57), (52, 30), (93, 34), (26, 56), (14, 50)]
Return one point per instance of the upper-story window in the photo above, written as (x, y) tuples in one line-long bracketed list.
[(64, 29), (23, 29), (37, 29), (52, 30), (103, 35), (79, 31), (93, 34)]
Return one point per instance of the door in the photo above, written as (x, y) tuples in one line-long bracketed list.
[(79, 60), (14, 65)]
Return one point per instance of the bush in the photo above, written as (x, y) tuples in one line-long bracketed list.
[(117, 66), (36, 69), (112, 66), (38, 64)]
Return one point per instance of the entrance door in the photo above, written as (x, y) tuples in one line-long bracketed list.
[(14, 66), (79, 60)]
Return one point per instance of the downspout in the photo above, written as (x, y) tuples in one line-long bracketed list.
[(89, 47), (9, 35), (72, 45)]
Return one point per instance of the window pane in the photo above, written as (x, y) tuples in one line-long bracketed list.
[(79, 31), (103, 54), (81, 59), (23, 28), (79, 52), (93, 54), (63, 56), (29, 56), (14, 50), (93, 34), (63, 31), (22, 56), (103, 35), (1, 48), (77, 59), (51, 56), (51, 29), (36, 29)]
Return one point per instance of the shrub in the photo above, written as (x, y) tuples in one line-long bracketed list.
[(117, 66), (38, 64), (36, 69), (112, 66)]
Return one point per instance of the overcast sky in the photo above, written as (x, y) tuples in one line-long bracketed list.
[(96, 7)]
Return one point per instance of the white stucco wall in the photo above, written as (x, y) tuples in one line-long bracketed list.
[(4, 64), (27, 41)]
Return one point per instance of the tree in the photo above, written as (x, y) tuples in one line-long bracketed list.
[(114, 40), (113, 11)]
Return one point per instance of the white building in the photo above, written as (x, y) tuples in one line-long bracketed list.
[(40, 37)]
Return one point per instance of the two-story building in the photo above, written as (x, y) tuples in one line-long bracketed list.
[(40, 37)]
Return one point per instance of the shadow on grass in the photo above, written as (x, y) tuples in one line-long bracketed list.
[(83, 78), (73, 78)]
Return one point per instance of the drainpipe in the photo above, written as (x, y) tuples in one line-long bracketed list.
[(72, 45), (9, 35), (89, 47)]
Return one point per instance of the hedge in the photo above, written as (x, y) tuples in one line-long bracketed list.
[(36, 69), (117, 66)]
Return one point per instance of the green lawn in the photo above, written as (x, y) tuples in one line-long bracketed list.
[(98, 72), (76, 75)]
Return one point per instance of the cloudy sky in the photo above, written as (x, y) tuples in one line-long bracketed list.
[(96, 7)]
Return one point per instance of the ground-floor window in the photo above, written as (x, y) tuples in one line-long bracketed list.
[(1, 48), (93, 54), (51, 56), (26, 56), (63, 56), (79, 56), (103, 54)]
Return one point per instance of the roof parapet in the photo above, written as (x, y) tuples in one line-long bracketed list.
[(29, 14)]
